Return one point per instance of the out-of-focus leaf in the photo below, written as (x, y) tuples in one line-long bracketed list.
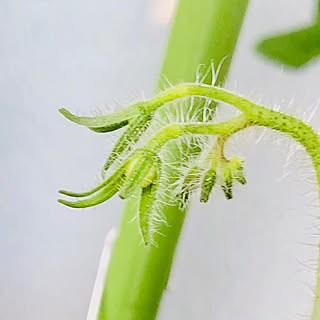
[(294, 48)]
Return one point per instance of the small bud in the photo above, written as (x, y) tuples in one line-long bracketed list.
[(236, 165), (227, 182), (208, 183), (189, 183), (139, 169)]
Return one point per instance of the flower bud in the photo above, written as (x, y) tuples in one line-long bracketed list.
[(207, 185)]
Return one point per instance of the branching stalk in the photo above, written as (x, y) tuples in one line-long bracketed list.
[(143, 168)]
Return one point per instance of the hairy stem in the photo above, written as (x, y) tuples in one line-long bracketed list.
[(253, 114), (257, 115), (175, 131)]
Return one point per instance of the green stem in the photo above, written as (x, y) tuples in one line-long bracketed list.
[(174, 131), (258, 115), (203, 30)]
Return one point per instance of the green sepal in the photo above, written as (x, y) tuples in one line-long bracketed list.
[(207, 185), (105, 123), (116, 177), (236, 165), (147, 200), (128, 139), (108, 190), (111, 127), (239, 176), (190, 180), (87, 193), (143, 165), (227, 182), (99, 198)]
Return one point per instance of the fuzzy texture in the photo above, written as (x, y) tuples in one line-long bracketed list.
[(139, 158)]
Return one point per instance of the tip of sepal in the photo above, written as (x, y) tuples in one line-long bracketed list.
[(114, 180), (73, 194), (207, 185), (204, 199), (68, 203), (190, 183), (227, 192), (100, 194), (236, 166), (66, 113), (146, 238), (72, 117), (106, 193), (129, 138), (146, 205), (227, 182), (104, 123), (241, 178), (236, 163), (64, 192)]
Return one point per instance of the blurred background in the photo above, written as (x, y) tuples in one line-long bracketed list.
[(249, 258)]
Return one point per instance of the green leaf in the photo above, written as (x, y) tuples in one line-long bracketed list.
[(295, 48)]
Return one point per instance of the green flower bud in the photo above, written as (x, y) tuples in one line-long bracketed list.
[(130, 137), (227, 181), (139, 170), (189, 183), (207, 185)]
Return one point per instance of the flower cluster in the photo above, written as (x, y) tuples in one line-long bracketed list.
[(137, 162)]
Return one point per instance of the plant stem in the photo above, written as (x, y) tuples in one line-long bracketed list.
[(203, 30)]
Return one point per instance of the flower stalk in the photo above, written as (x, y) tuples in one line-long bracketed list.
[(140, 174)]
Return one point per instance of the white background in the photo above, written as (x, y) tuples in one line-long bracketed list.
[(242, 259)]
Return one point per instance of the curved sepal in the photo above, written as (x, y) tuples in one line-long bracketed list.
[(207, 185), (106, 193), (129, 138), (227, 182), (139, 171), (109, 188), (105, 123), (147, 200)]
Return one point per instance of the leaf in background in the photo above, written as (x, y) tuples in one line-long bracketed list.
[(294, 48)]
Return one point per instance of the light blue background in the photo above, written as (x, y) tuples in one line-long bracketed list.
[(242, 259)]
